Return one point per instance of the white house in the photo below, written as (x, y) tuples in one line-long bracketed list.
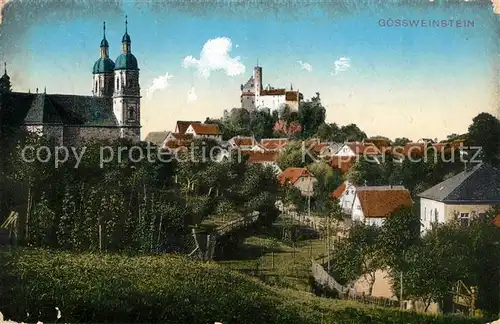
[(346, 194), (245, 143), (264, 158), (462, 197), (373, 206), (199, 130)]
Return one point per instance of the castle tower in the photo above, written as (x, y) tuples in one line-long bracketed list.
[(102, 81), (257, 76), (127, 97)]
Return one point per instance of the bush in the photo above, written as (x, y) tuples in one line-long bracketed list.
[(91, 287)]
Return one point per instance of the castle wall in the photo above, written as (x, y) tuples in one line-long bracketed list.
[(270, 101)]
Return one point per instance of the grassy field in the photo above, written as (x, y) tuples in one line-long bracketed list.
[(275, 262), (111, 288)]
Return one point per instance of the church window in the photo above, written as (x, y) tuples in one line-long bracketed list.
[(131, 113), (117, 83)]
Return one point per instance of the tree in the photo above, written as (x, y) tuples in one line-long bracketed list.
[(428, 275), (485, 132), (400, 232), (351, 133), (294, 156), (364, 172), (358, 254), (401, 141), (328, 133), (312, 115), (261, 124), (328, 180)]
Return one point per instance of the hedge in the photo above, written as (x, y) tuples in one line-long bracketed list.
[(114, 288)]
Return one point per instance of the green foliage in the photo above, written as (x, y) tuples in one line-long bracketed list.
[(485, 132), (122, 289), (295, 155), (312, 115), (400, 232), (359, 254)]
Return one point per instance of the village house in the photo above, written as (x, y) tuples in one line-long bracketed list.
[(274, 144), (373, 205), (462, 197), (245, 143), (199, 130), (348, 153), (300, 178), (347, 192), (266, 159)]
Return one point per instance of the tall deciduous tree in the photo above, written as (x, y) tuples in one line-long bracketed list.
[(485, 132)]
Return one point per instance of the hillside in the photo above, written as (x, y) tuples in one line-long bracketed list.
[(91, 287)]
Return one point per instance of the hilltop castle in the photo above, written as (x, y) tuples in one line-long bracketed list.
[(254, 96), (113, 110)]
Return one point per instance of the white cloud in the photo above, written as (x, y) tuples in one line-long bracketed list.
[(159, 83), (342, 65), (305, 66), (192, 97), (214, 56)]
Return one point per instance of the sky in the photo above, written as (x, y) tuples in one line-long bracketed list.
[(416, 82)]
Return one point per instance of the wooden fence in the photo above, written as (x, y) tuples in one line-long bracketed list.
[(323, 279)]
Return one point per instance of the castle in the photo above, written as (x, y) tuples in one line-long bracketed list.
[(113, 110), (254, 96)]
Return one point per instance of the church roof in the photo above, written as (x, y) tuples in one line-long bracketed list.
[(126, 62), (103, 65), (41, 108)]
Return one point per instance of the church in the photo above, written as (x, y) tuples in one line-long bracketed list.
[(111, 112)]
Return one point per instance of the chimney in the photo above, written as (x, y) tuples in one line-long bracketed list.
[(36, 90)]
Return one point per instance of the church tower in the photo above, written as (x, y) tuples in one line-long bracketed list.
[(127, 97), (102, 81), (5, 86)]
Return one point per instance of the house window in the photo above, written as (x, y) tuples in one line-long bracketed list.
[(425, 213), (482, 215), (464, 219), (358, 207), (436, 215)]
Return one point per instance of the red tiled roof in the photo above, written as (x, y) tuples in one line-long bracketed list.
[(339, 191), (343, 163), (259, 157), (206, 129), (381, 203), (274, 143), (273, 92), (360, 148), (292, 96), (292, 175), (379, 142), (496, 221), (183, 125), (243, 141)]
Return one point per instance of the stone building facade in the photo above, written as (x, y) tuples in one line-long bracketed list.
[(113, 110), (255, 96)]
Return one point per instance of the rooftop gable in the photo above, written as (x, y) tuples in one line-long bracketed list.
[(477, 185), (381, 203)]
